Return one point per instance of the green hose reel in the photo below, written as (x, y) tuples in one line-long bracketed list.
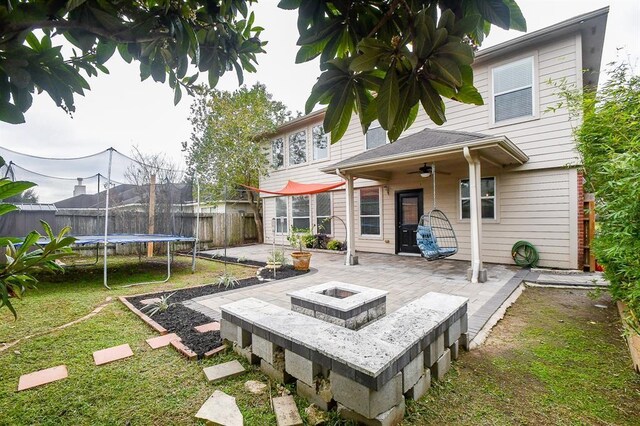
[(525, 254)]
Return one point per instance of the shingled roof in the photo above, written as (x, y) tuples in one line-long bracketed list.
[(423, 140)]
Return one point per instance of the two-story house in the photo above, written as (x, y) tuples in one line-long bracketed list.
[(505, 171)]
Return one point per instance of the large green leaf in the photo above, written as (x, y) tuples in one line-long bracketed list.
[(388, 99), (10, 113), (9, 188), (518, 22), (6, 208), (495, 11), (432, 103)]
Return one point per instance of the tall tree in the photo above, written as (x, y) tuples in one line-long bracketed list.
[(379, 58), (227, 149)]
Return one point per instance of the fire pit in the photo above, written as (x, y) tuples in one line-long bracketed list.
[(343, 304)]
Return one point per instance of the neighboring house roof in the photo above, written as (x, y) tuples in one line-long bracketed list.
[(430, 142), (127, 194), (32, 207)]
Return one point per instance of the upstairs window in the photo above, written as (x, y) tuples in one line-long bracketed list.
[(323, 212), (487, 198), (376, 136), (300, 217), (320, 143), (277, 153), (370, 211), (298, 148), (281, 215), (513, 90)]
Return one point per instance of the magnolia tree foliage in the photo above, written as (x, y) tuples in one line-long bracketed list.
[(609, 144), (163, 36), (227, 148), (381, 58)]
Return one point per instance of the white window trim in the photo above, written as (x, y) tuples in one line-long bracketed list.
[(374, 125), (315, 212), (310, 217), (276, 217), (288, 149), (496, 210), (312, 148), (535, 92), (380, 209)]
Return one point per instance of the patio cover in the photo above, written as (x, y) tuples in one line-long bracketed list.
[(297, 188)]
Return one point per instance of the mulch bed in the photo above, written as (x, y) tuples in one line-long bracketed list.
[(181, 320)]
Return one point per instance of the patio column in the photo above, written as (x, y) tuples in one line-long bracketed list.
[(350, 258), (476, 273)]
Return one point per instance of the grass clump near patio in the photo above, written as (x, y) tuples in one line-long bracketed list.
[(554, 359)]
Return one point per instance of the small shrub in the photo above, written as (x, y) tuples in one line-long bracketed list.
[(160, 306), (227, 281), (334, 245), (309, 240), (277, 256)]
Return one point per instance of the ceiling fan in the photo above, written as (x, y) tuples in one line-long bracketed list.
[(427, 170)]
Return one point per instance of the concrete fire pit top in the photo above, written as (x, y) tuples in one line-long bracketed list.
[(338, 295)]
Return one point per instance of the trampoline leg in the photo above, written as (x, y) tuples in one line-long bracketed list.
[(193, 259), (168, 261)]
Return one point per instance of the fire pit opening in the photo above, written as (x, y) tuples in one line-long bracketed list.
[(338, 293)]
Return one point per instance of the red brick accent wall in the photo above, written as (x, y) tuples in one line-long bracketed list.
[(581, 235)]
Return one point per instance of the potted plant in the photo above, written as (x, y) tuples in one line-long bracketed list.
[(301, 258)]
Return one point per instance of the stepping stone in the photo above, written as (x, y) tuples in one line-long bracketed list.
[(162, 341), (220, 409), (42, 377), (223, 371), (286, 411), (149, 301), (115, 353), (210, 326), (255, 387)]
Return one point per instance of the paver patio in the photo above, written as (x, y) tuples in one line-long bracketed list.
[(405, 278)]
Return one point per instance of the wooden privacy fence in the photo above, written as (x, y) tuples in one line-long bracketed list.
[(240, 228)]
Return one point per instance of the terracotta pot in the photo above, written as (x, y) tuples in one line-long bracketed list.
[(301, 260)]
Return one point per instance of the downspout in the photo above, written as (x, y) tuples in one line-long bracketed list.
[(475, 261)]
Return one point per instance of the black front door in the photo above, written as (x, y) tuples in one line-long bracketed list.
[(408, 213)]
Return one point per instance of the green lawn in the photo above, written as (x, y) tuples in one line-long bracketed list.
[(534, 368)]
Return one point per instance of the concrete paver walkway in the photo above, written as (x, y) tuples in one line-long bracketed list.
[(405, 278)]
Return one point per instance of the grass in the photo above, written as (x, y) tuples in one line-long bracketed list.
[(554, 359), (59, 299)]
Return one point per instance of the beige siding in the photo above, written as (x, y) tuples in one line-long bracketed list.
[(537, 201)]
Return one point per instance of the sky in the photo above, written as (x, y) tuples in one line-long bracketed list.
[(120, 111)]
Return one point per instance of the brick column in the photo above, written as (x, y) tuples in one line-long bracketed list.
[(581, 236)]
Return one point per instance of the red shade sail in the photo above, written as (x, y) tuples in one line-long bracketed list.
[(297, 188)]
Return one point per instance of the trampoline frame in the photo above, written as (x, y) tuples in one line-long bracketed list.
[(113, 239)]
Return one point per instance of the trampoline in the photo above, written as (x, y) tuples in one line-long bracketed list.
[(113, 239)]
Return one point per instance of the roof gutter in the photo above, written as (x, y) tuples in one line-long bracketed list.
[(502, 141)]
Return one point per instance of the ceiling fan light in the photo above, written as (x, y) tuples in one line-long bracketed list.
[(425, 175)]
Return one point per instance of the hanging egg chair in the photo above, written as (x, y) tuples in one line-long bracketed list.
[(435, 235)]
